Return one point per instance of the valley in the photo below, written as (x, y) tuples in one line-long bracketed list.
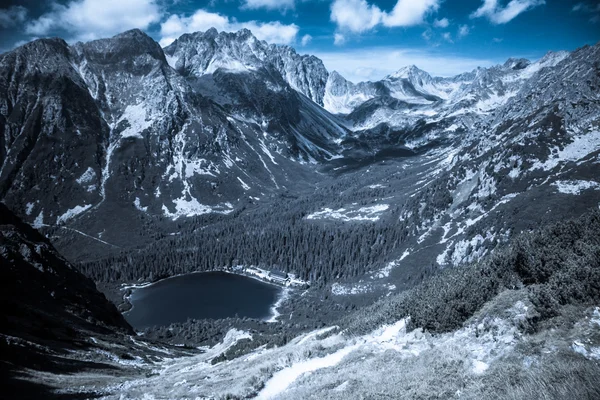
[(447, 226)]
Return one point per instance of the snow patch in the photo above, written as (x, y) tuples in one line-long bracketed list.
[(371, 213), (185, 207), (138, 205), (265, 150), (244, 185), (88, 176), (172, 60), (283, 379), (575, 186), (137, 119), (39, 221), (578, 149), (29, 208), (73, 212), (479, 367)]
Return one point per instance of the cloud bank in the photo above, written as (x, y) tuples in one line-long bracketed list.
[(357, 16), (269, 4), (202, 20), (90, 19), (497, 14), (12, 16)]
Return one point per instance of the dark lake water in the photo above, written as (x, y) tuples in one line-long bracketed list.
[(207, 295)]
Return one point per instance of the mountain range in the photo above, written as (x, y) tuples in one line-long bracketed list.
[(137, 162), (215, 120)]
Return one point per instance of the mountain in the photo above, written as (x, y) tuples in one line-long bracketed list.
[(201, 53), (108, 128), (269, 85), (47, 307), (218, 124), (427, 213), (410, 94)]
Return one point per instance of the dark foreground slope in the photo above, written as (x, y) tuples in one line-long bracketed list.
[(47, 308)]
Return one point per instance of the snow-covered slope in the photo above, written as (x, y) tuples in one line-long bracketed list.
[(512, 147), (410, 85), (410, 94)]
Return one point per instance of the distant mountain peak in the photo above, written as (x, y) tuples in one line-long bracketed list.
[(244, 32), (46, 44), (211, 32), (553, 57), (517, 63), (132, 33), (334, 75), (408, 72)]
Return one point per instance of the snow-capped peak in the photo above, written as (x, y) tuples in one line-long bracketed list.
[(202, 53), (517, 63), (409, 72), (552, 58)]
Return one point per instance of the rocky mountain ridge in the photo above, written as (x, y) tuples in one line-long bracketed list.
[(109, 123), (402, 98)]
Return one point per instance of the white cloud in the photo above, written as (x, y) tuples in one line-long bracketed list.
[(355, 15), (501, 15), (463, 31), (593, 11), (586, 8), (359, 16), (441, 23), (12, 16), (579, 7), (269, 4), (306, 39), (339, 39), (409, 12), (373, 64), (91, 19), (447, 37), (202, 20)]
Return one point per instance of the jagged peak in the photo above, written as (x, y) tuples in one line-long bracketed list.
[(408, 72), (554, 57), (42, 53), (244, 33), (211, 33), (45, 44), (132, 33), (130, 43), (335, 78), (517, 63)]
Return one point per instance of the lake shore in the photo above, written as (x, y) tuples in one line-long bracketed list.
[(205, 295)]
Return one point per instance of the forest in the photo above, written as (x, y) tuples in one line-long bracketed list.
[(279, 236)]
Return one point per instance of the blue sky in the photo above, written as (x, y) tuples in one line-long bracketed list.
[(362, 39)]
